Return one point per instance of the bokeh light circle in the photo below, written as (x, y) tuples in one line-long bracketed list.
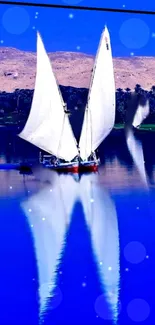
[(138, 310), (47, 291), (102, 308), (56, 298), (135, 252), (16, 20), (134, 33)]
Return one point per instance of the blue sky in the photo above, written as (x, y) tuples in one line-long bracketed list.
[(76, 30), (129, 4)]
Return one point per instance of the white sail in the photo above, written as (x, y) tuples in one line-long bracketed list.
[(100, 111), (48, 126), (101, 217), (141, 114), (49, 213)]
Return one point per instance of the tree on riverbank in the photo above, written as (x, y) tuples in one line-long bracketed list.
[(18, 103)]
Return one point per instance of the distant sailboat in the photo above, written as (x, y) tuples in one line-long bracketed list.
[(48, 125), (100, 110), (141, 114)]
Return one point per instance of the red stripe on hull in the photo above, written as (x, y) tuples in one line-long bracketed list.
[(88, 168), (69, 169)]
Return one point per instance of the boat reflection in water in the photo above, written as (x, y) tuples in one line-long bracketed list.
[(70, 244)]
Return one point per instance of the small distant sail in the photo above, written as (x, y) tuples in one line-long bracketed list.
[(141, 114), (48, 126), (100, 111), (136, 151)]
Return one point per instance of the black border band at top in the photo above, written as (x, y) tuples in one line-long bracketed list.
[(47, 5)]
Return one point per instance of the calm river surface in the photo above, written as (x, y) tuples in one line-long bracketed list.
[(77, 251)]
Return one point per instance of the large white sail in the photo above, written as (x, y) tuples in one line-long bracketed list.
[(48, 126), (100, 111), (141, 114)]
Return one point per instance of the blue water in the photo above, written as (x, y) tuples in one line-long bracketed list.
[(77, 251)]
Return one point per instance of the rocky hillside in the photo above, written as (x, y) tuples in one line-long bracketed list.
[(17, 70)]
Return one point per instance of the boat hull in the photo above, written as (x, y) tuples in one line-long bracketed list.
[(70, 167), (88, 166), (64, 167)]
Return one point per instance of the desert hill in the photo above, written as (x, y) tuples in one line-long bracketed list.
[(18, 68)]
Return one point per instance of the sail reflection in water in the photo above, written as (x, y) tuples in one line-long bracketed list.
[(136, 151), (49, 213), (101, 217)]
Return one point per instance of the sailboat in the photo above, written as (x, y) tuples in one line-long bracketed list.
[(48, 125), (99, 115), (141, 114)]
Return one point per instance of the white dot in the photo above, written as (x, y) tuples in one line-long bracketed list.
[(109, 268), (137, 208), (10, 187), (71, 16), (60, 272), (91, 200), (147, 257), (36, 17), (33, 27), (126, 270), (123, 6), (84, 284), (43, 219), (31, 226), (132, 54), (2, 41), (101, 263), (37, 12), (30, 210), (78, 47), (51, 190), (153, 35), (28, 191)]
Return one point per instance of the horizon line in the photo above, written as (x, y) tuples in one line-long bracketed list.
[(75, 52)]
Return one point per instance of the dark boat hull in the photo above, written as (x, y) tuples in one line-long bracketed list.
[(70, 167), (64, 167), (88, 166)]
